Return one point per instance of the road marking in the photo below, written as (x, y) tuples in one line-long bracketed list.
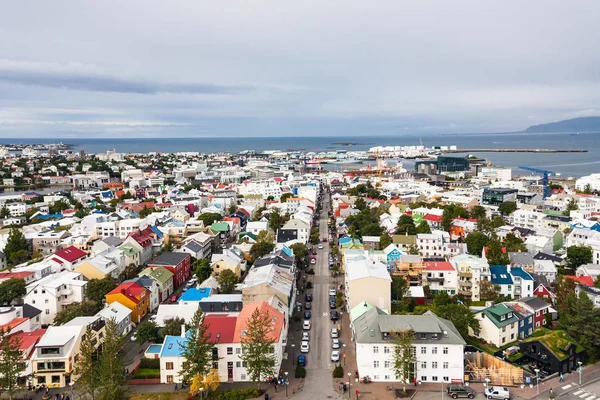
[(583, 395), (577, 392), (591, 398), (569, 386), (325, 314)]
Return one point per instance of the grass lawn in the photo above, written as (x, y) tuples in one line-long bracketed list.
[(161, 396), (147, 373), (487, 347)]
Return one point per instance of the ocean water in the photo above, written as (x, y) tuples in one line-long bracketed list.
[(567, 164)]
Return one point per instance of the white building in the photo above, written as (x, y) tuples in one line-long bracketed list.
[(528, 219), (438, 347)]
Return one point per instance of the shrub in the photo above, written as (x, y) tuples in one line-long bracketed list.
[(309, 285), (152, 363), (236, 394), (310, 271), (338, 371), (300, 372)]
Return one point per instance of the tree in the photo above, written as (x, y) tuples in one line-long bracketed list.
[(285, 196), (597, 282), (413, 249), (488, 291), (300, 251), (563, 288), (172, 326), (461, 317), (478, 212), (210, 218), (96, 289), (232, 208), (403, 357), (11, 289), (11, 362), (406, 225), (579, 255), (19, 257), (507, 207), (581, 321), (144, 212), (514, 243), (494, 253), (197, 349), (587, 189), (399, 288), (423, 227), (476, 241), (274, 220), (209, 384), (452, 211), (257, 347), (4, 213), (146, 332), (384, 241), (227, 281), (130, 272), (15, 243), (111, 367), (371, 230), (202, 269), (360, 204), (81, 214), (86, 366), (74, 310), (260, 249), (571, 206)]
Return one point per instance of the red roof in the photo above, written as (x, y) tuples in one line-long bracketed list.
[(18, 275), (438, 266), (143, 238), (243, 211), (70, 254), (13, 324), (221, 328), (433, 218), (584, 280), (29, 339), (130, 289)]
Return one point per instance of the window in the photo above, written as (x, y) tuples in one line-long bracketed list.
[(376, 377), (386, 350), (446, 379), (169, 365), (215, 365), (386, 364), (444, 350), (423, 350), (387, 377), (512, 336), (445, 365), (423, 364), (434, 350), (245, 364), (434, 365), (169, 378), (55, 378), (238, 364), (243, 376), (229, 351), (423, 336), (41, 380), (434, 378), (46, 301), (47, 311), (503, 340), (375, 364), (238, 350), (503, 329), (423, 379), (375, 349)]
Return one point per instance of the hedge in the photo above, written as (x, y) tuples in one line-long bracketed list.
[(152, 363), (236, 394), (300, 372)]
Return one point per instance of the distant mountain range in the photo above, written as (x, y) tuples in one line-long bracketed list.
[(583, 124)]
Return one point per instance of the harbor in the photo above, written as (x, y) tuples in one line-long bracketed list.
[(515, 151)]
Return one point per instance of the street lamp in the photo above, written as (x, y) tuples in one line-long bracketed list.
[(293, 354), (287, 382), (349, 374), (580, 369), (201, 390), (537, 380)]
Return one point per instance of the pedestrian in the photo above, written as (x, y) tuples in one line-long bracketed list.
[(175, 387), (275, 388), (551, 394), (561, 378)]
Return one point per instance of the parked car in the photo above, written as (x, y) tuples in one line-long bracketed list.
[(307, 305), (314, 252), (332, 291), (320, 246), (497, 392), (306, 325), (308, 297), (334, 315), (456, 391), (313, 261), (173, 298), (335, 356), (304, 347), (302, 360), (305, 336), (332, 305), (299, 308), (134, 337), (334, 333), (307, 314), (152, 318), (335, 343)]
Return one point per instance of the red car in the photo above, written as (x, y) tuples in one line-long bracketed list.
[(314, 252), (173, 298)]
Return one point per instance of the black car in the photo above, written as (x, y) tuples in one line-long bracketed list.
[(307, 314), (456, 391), (308, 297), (334, 315), (307, 305)]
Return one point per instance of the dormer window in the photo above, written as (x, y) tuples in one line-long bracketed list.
[(502, 317), (510, 315), (423, 336)]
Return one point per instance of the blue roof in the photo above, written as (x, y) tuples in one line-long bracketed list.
[(172, 346), (107, 195), (521, 273), (156, 230), (500, 275), (48, 216), (194, 294)]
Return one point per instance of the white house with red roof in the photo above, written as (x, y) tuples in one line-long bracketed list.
[(69, 258), (27, 276), (441, 277)]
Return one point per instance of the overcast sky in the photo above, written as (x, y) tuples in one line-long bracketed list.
[(260, 68)]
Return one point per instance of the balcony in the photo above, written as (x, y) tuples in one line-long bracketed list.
[(465, 274), (468, 284), (435, 279), (65, 292), (465, 292)]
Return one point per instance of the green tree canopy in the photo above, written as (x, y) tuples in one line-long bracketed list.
[(423, 227), (579, 255), (258, 347), (476, 241), (384, 241), (275, 220), (210, 218), (478, 212), (11, 289), (130, 272), (11, 364), (227, 280), (96, 289), (452, 211), (572, 205), (507, 207), (87, 365), (202, 269), (360, 204), (111, 366), (285, 196), (371, 230), (300, 250), (74, 310), (260, 249), (16, 242), (406, 225), (197, 349), (172, 326), (146, 332)]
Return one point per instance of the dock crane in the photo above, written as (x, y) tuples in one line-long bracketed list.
[(545, 174)]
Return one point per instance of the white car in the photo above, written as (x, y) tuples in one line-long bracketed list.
[(134, 337), (335, 356), (335, 343), (320, 246), (305, 336), (152, 318), (497, 392), (332, 292), (313, 261), (304, 347), (306, 325), (334, 332)]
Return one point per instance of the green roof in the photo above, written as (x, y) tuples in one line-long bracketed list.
[(249, 234), (495, 313), (404, 239), (556, 341), (359, 310), (220, 227), (128, 249), (159, 274)]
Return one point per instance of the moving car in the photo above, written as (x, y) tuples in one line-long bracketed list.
[(304, 347), (497, 392), (334, 333), (335, 356), (320, 246), (456, 391), (334, 315), (335, 343), (306, 325), (305, 336)]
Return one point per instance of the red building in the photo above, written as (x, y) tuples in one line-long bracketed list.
[(177, 263)]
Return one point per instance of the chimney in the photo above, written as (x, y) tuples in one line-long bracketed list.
[(182, 330)]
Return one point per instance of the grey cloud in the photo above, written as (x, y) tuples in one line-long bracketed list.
[(79, 77)]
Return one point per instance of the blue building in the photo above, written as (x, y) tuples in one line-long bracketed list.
[(393, 255)]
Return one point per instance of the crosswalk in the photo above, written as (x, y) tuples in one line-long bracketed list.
[(582, 394)]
